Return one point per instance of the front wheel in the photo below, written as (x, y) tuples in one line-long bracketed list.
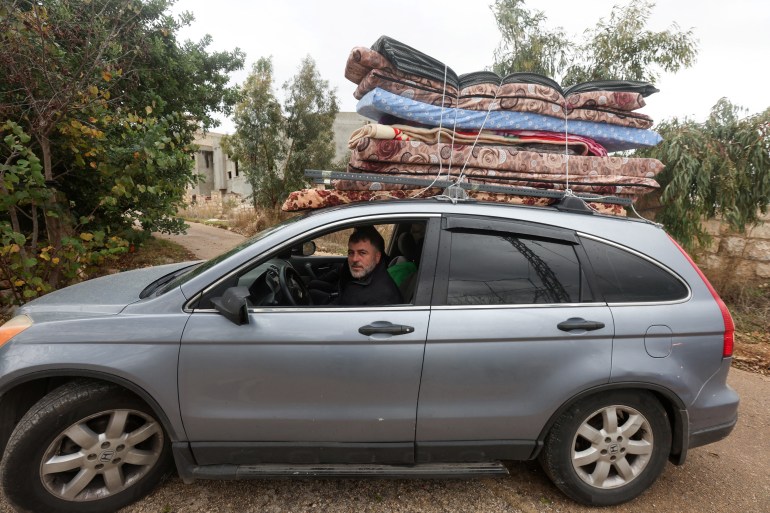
[(608, 449), (86, 447)]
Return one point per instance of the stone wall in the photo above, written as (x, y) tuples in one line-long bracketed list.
[(737, 257)]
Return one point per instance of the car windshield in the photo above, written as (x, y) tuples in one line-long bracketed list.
[(198, 269)]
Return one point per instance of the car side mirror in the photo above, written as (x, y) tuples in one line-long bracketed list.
[(233, 305), (306, 249)]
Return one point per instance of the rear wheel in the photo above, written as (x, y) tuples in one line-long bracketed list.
[(608, 449), (86, 447)]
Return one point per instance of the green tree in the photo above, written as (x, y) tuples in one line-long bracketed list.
[(111, 100), (527, 44), (311, 108), (258, 143), (717, 168), (621, 47), (276, 145)]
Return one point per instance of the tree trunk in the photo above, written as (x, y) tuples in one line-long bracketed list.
[(51, 210), (45, 146)]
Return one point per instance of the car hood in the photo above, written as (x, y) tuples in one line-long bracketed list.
[(107, 295)]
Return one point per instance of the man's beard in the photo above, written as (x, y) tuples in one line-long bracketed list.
[(361, 272)]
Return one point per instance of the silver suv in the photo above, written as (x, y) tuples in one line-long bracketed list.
[(591, 343)]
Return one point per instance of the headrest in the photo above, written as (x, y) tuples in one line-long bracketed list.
[(407, 246)]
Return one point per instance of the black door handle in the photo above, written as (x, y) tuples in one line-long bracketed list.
[(386, 328), (576, 323)]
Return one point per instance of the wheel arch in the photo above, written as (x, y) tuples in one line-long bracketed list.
[(673, 404), (19, 395)]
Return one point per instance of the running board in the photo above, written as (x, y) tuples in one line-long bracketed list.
[(423, 470)]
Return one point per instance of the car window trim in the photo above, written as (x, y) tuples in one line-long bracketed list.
[(457, 223), (519, 306)]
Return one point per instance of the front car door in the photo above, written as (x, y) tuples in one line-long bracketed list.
[(302, 384), (514, 333)]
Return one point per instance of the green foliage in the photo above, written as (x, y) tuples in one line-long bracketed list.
[(27, 275), (110, 100), (26, 268), (717, 168), (21, 178), (183, 77), (274, 146), (258, 143), (528, 45), (311, 108), (620, 47)]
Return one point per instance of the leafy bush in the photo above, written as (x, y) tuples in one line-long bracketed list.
[(29, 265)]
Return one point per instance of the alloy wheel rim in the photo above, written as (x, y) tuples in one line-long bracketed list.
[(101, 455), (612, 447)]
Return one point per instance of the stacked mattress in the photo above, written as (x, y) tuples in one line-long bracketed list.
[(521, 130)]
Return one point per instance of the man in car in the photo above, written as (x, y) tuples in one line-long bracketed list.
[(368, 281), (364, 281)]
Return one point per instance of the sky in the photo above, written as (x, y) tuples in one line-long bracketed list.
[(733, 41)]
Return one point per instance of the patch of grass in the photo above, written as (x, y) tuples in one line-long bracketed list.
[(151, 252), (148, 253), (750, 308), (145, 254)]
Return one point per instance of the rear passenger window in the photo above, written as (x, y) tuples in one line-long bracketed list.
[(623, 277), (497, 269)]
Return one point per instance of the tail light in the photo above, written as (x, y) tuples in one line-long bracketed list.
[(729, 341)]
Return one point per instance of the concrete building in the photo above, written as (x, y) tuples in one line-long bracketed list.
[(344, 125), (221, 176)]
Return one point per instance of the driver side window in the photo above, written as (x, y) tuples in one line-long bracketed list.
[(316, 272)]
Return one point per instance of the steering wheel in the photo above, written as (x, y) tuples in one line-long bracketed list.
[(293, 289)]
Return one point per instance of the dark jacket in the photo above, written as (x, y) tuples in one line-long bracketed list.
[(376, 289)]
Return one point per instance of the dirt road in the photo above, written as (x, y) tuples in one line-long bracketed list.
[(205, 241), (730, 476)]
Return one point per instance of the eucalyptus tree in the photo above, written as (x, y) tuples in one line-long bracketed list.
[(720, 167), (276, 144), (619, 47)]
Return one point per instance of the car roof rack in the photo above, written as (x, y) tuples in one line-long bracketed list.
[(566, 201)]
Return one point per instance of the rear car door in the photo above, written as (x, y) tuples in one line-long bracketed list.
[(515, 332)]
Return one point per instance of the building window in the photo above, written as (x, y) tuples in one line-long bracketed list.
[(208, 159), (237, 172)]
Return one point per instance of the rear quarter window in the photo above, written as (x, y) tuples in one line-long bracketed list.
[(625, 277)]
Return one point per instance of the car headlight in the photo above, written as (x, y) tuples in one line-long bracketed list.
[(13, 327)]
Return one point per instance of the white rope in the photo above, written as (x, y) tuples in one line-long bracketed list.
[(567, 189), (640, 216), (438, 139)]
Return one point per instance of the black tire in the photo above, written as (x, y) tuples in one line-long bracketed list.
[(609, 448), (87, 434)]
